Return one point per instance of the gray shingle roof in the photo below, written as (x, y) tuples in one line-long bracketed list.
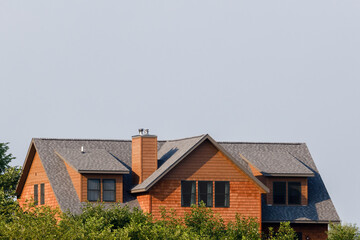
[(280, 163), (295, 157), (91, 160), (320, 207), (59, 178), (168, 155)]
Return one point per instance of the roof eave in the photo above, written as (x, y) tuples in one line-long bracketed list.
[(288, 174), (304, 221), (25, 168), (104, 171)]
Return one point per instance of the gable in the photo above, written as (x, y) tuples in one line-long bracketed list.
[(206, 162), (36, 174), (173, 161)]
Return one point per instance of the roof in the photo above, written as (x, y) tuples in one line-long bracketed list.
[(280, 163), (173, 152), (320, 207), (289, 158), (91, 160)]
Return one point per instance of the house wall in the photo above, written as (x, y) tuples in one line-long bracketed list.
[(304, 187), (37, 175), (313, 231), (75, 178), (119, 185), (208, 164)]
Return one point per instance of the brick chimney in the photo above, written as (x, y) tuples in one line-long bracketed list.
[(143, 155)]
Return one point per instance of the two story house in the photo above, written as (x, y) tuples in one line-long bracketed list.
[(272, 182)]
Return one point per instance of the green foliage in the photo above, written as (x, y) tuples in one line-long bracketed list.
[(98, 221), (243, 228), (5, 158), (202, 221), (285, 232), (9, 176), (343, 232)]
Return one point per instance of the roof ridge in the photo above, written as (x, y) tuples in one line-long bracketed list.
[(275, 143), (82, 139), (181, 139)]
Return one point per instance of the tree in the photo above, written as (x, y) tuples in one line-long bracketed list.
[(9, 176), (343, 232)]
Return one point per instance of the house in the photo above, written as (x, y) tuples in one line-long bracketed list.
[(273, 182)]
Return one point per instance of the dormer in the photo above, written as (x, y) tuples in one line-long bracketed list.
[(95, 173), (285, 175)]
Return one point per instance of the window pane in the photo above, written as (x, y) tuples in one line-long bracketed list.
[(109, 184), (36, 194), (222, 194), (93, 195), (188, 191), (299, 235), (205, 192), (294, 191), (279, 192), (109, 196), (93, 190), (42, 194), (94, 184), (109, 187)]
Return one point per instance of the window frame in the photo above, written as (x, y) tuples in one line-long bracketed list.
[(225, 195), (36, 194), (287, 193), (93, 190), (104, 190), (209, 195), (192, 194), (42, 193)]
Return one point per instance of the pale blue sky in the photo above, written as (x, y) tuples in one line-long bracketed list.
[(278, 71)]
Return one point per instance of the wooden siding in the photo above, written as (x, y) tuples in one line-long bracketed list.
[(206, 163), (119, 185), (144, 157), (37, 175), (75, 178), (313, 231), (302, 180)]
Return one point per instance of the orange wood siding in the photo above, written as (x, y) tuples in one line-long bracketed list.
[(302, 180), (144, 157), (37, 175), (75, 178), (208, 164), (144, 200), (119, 185), (313, 231)]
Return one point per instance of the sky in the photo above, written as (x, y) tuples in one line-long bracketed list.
[(254, 71)]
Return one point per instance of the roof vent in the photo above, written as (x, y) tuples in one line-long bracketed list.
[(143, 131), (82, 149)]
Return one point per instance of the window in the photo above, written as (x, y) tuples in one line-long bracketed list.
[(279, 192), (287, 193), (299, 235), (36, 194), (294, 193), (109, 190), (93, 190), (188, 193), (222, 194), (205, 193), (42, 194)]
